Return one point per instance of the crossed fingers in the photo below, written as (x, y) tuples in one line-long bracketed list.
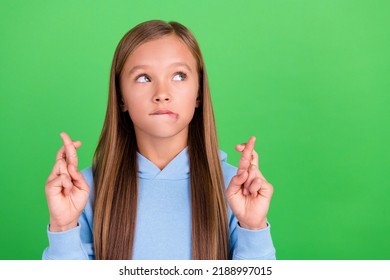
[(249, 162), (68, 150), (66, 156)]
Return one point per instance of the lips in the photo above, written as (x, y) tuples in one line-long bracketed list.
[(164, 112)]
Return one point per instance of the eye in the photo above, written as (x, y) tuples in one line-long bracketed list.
[(179, 76), (142, 79)]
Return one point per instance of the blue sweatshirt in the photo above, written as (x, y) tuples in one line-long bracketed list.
[(163, 225)]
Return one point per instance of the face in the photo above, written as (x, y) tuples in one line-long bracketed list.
[(159, 84)]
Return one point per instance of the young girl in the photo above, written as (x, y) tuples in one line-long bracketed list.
[(159, 188)]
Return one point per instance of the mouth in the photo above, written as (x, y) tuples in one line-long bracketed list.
[(165, 113)]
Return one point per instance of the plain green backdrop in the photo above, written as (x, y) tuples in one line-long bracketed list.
[(311, 79)]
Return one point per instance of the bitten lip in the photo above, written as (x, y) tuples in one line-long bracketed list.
[(164, 112)]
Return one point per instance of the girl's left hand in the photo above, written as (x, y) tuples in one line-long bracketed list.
[(249, 194)]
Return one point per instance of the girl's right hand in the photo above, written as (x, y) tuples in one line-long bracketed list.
[(67, 191)]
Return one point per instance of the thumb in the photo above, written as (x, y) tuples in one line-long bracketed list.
[(236, 183), (78, 178)]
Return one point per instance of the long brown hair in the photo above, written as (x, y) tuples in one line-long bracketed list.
[(115, 162)]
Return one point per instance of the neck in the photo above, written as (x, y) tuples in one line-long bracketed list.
[(161, 150)]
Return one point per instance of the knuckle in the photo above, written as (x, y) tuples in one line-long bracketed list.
[(253, 167), (47, 184), (60, 162), (60, 167), (259, 181), (246, 156), (64, 177), (60, 156), (253, 187), (60, 150)]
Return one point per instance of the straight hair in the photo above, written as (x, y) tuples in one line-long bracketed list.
[(115, 163)]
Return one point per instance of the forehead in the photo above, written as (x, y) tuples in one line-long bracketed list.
[(162, 51)]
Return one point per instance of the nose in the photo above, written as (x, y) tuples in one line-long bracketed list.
[(162, 94), (161, 98)]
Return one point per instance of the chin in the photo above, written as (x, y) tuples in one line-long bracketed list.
[(165, 132)]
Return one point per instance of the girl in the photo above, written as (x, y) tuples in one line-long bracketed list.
[(156, 189)]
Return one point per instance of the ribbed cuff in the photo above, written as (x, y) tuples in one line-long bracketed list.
[(65, 245), (254, 244)]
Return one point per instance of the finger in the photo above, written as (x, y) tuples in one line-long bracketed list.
[(255, 162), (266, 190), (240, 147), (246, 157), (255, 186), (252, 175), (60, 167), (78, 178), (61, 152), (235, 184), (61, 183), (70, 150), (255, 158), (261, 174)]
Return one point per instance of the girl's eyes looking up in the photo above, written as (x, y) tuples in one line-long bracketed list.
[(178, 76), (142, 79)]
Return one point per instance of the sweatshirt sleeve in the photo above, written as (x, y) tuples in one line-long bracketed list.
[(251, 244), (65, 246), (246, 244), (75, 243)]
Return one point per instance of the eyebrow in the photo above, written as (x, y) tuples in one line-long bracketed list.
[(143, 67), (185, 65)]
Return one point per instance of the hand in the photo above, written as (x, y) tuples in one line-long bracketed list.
[(66, 188), (249, 194)]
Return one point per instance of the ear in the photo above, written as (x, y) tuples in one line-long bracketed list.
[(197, 104), (122, 105)]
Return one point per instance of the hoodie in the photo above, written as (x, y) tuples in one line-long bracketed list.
[(163, 224)]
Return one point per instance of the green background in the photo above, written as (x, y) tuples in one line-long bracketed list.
[(311, 79)]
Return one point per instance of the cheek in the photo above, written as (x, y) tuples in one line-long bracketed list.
[(135, 98), (188, 108), (189, 92), (136, 109)]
